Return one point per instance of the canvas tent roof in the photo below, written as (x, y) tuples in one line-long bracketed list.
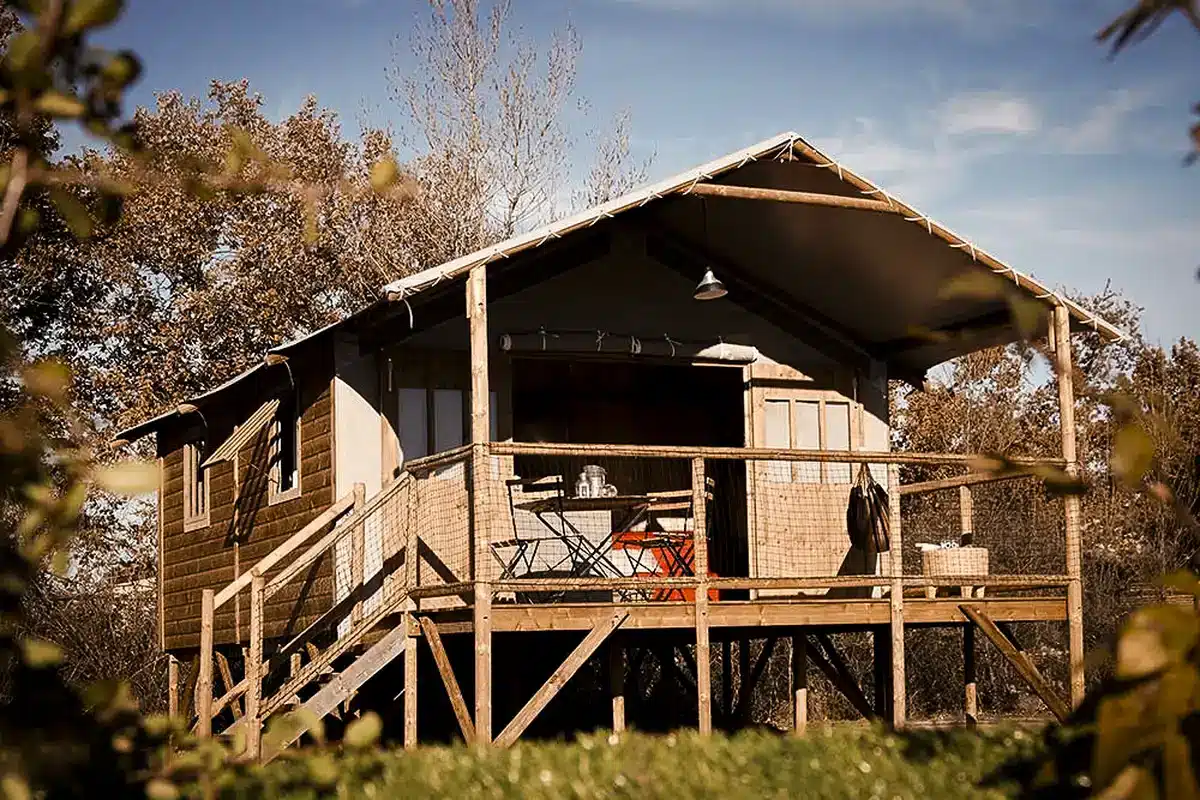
[(869, 278)]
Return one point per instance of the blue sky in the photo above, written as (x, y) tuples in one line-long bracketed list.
[(1003, 120)]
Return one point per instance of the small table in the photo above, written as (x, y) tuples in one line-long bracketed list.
[(594, 559)]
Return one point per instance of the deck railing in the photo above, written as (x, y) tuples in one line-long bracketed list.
[(770, 522), (693, 525)]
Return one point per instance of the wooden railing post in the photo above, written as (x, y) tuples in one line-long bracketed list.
[(616, 683), (899, 694), (1071, 506), (966, 526), (700, 560), (358, 549), (204, 681), (480, 510), (410, 682), (172, 686), (254, 668)]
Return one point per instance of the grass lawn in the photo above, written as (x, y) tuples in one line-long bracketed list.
[(844, 762)]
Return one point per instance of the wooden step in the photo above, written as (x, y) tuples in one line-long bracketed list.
[(344, 684)]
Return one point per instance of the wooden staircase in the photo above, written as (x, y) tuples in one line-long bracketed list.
[(283, 683)]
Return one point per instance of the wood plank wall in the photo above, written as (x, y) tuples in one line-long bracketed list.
[(235, 539)]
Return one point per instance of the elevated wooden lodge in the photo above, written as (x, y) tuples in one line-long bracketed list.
[(561, 448)]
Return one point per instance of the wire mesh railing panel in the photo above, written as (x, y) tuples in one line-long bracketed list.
[(442, 518), (1022, 526), (586, 521), (590, 521), (798, 524)]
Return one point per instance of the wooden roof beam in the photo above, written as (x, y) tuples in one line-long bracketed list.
[(789, 196)]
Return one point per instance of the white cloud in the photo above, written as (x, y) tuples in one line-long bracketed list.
[(988, 112), (1106, 126), (975, 15)]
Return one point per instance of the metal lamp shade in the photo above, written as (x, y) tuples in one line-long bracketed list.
[(709, 288)]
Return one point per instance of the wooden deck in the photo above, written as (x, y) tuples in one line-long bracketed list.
[(785, 613)]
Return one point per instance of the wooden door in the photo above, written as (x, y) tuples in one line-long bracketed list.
[(798, 509)]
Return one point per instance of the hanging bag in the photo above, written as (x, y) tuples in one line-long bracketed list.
[(867, 514)]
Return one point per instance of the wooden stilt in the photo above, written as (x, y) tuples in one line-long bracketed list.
[(882, 669), (966, 527), (172, 686), (700, 559), (1071, 506), (254, 670), (799, 683), (410, 687), (616, 683), (446, 670), (204, 681), (898, 696), (970, 701), (746, 696), (556, 681), (483, 662)]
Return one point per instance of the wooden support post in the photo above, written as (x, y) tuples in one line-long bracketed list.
[(1024, 666), (172, 686), (254, 670), (410, 686), (966, 527), (799, 683), (204, 680), (881, 662), (749, 683), (483, 662), (616, 683), (358, 552), (578, 657), (970, 699), (700, 560), (446, 670), (1071, 507), (480, 512), (898, 694)]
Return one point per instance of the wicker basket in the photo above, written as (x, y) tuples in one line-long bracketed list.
[(945, 562)]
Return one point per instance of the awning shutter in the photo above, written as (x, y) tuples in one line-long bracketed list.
[(244, 433)]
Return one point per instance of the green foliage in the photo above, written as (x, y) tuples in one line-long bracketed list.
[(846, 762), (1135, 735)]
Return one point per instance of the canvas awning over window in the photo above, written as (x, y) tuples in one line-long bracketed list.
[(245, 432)]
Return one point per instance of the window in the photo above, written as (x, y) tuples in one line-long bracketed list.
[(801, 424), (435, 420), (285, 451), (195, 487)]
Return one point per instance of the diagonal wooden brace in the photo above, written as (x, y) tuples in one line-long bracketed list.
[(1019, 659), (542, 697)]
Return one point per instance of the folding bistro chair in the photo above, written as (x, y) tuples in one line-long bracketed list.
[(527, 556)]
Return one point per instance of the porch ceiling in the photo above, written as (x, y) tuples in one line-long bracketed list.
[(857, 280)]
